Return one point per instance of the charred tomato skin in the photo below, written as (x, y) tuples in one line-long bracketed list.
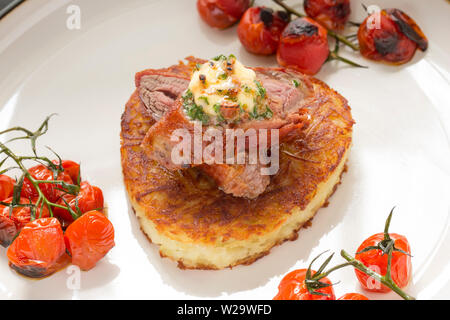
[(89, 238), (6, 187), (221, 13), (89, 198), (395, 41), (303, 46), (260, 29), (401, 269), (38, 248), (353, 296), (8, 230), (12, 222), (409, 27), (333, 14), (292, 287)]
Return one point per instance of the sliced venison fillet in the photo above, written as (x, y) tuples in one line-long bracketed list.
[(158, 92), (288, 92)]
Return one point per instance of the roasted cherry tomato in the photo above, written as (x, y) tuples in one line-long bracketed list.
[(11, 222), (38, 248), (353, 296), (89, 238), (8, 230), (51, 192), (293, 287), (303, 46), (391, 38), (71, 168), (260, 29), (377, 261), (333, 14), (221, 13), (89, 198), (6, 187)]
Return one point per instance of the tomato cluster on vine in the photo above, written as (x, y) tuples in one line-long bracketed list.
[(382, 263), (42, 238), (389, 36)]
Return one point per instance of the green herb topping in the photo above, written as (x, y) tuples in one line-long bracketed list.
[(223, 76), (266, 114), (194, 111), (261, 89)]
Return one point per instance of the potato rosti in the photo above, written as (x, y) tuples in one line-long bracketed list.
[(201, 227)]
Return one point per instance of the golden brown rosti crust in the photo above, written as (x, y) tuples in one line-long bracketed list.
[(186, 206), (249, 260)]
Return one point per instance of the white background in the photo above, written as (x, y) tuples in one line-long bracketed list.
[(400, 156)]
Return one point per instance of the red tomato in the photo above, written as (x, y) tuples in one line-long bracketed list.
[(333, 14), (8, 230), (260, 29), (6, 187), (38, 248), (221, 13), (377, 261), (353, 296), (292, 287), (89, 198), (89, 238), (303, 46), (13, 222), (41, 172), (71, 168), (391, 37)]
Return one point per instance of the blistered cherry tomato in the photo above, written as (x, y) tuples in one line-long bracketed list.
[(8, 230), (390, 36), (71, 168), (38, 248), (333, 14), (292, 287), (221, 13), (11, 222), (89, 238), (377, 261), (353, 296), (51, 192), (89, 198), (303, 46), (6, 187), (260, 29)]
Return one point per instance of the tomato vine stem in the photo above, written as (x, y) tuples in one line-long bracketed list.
[(56, 168), (386, 279), (331, 33), (387, 246)]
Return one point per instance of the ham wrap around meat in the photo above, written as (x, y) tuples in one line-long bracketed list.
[(288, 93)]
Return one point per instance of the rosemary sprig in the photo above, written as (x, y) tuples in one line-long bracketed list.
[(56, 169), (387, 245)]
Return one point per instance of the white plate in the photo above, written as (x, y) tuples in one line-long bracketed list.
[(400, 156)]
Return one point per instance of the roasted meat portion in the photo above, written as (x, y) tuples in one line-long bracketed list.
[(200, 227), (288, 94), (159, 91)]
